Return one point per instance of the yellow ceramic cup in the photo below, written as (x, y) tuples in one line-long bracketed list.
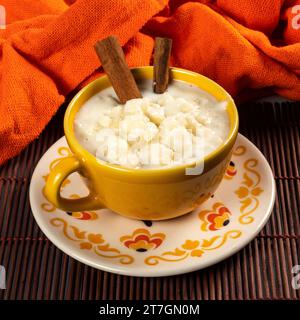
[(148, 194)]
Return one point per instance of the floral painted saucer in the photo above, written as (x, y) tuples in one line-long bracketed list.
[(221, 226)]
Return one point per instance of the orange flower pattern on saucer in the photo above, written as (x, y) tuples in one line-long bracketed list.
[(215, 219), (249, 191), (82, 215), (230, 171), (141, 240), (91, 241)]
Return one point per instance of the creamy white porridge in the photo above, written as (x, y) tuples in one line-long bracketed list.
[(181, 126)]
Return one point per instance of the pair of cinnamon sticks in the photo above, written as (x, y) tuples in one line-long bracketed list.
[(114, 64)]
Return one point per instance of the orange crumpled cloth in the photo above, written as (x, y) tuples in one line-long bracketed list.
[(46, 50)]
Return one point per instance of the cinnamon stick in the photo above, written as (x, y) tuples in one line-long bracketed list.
[(114, 64), (162, 52)]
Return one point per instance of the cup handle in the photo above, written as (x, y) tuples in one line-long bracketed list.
[(53, 185)]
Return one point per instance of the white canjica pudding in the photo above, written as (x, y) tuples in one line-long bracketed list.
[(180, 126)]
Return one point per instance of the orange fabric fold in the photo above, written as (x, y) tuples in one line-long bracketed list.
[(46, 50)]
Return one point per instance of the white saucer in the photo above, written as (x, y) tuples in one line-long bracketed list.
[(107, 241)]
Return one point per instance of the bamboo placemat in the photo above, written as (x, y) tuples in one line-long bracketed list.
[(36, 269)]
